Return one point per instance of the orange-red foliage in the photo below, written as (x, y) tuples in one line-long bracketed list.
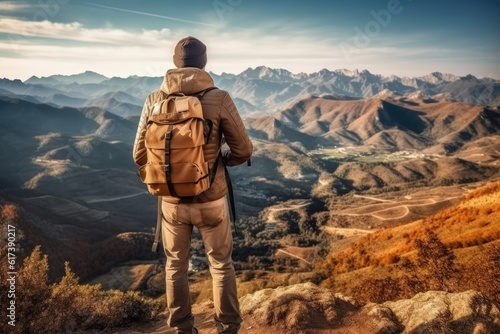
[(9, 212)]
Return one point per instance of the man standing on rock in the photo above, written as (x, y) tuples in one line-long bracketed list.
[(209, 210)]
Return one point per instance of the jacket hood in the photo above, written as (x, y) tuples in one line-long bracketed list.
[(186, 80)]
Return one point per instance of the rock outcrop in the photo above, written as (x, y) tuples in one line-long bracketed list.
[(302, 307), (442, 312), (297, 306)]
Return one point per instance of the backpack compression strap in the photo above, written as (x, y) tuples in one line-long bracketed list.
[(168, 169)]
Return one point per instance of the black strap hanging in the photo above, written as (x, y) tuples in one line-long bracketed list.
[(230, 195), (168, 167), (159, 215)]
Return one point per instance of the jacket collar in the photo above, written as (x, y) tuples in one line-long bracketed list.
[(186, 80)]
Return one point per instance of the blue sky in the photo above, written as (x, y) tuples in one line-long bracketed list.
[(127, 37)]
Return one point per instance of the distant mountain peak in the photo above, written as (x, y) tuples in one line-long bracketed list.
[(437, 77), (86, 77), (385, 93), (469, 77), (348, 73), (267, 73)]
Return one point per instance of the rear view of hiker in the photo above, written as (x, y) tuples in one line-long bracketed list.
[(208, 211)]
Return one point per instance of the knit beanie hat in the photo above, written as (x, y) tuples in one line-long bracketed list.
[(190, 52)]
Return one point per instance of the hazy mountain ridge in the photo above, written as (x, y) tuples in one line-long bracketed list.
[(37, 118), (295, 145), (260, 90), (52, 143), (82, 78), (272, 89), (63, 166)]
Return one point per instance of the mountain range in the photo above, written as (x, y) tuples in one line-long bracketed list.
[(386, 121), (260, 90)]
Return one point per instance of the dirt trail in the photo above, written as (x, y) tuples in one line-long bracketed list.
[(117, 198), (347, 232), (292, 255), (375, 199)]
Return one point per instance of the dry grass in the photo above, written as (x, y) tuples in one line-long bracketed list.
[(464, 229), (129, 276), (248, 282)]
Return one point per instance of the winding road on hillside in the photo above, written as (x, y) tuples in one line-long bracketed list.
[(405, 207), (375, 199), (281, 207), (347, 232)]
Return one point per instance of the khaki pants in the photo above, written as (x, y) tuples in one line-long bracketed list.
[(212, 220)]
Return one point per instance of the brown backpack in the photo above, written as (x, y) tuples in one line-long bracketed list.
[(175, 134)]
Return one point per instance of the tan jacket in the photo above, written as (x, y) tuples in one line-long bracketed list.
[(217, 107)]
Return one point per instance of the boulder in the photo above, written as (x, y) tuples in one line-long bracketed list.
[(441, 312), (295, 307), (384, 319), (303, 307)]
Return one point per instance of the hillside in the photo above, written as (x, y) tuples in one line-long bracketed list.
[(435, 275), (386, 124), (92, 241), (69, 174), (442, 251)]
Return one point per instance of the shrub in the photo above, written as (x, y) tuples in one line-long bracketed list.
[(436, 262), (33, 294), (380, 290), (433, 268), (482, 273), (247, 275), (67, 306)]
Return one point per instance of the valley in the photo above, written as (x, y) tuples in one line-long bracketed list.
[(352, 153)]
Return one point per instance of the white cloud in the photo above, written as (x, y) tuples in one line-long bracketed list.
[(229, 51), (11, 6), (75, 31), (111, 60)]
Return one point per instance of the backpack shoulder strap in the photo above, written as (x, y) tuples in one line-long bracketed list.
[(200, 95)]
